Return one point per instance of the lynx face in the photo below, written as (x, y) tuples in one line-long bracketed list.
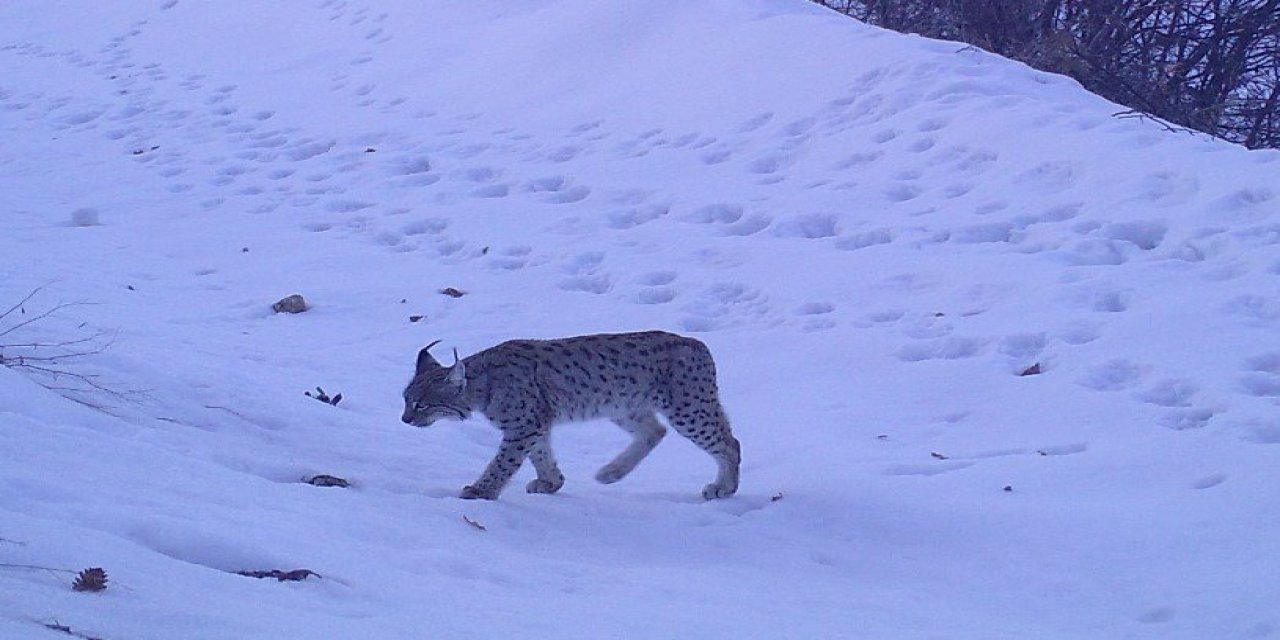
[(436, 392)]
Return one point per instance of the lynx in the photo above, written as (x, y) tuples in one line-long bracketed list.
[(526, 386)]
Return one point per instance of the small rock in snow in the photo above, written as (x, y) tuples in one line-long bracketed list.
[(290, 304)]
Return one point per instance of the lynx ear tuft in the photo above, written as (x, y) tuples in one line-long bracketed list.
[(458, 372), (425, 360)]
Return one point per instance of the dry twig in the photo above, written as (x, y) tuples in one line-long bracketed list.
[(474, 524), (56, 626)]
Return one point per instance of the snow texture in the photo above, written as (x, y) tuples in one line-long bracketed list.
[(876, 234)]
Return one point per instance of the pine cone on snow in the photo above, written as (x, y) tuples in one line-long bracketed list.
[(94, 579)]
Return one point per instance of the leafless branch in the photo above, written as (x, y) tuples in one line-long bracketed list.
[(7, 565), (1142, 115), (23, 301), (48, 359)]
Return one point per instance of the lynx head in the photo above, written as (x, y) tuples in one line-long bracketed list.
[(436, 391)]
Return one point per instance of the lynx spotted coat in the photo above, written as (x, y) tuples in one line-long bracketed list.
[(526, 386)]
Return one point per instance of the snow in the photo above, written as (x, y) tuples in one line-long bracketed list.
[(874, 233)]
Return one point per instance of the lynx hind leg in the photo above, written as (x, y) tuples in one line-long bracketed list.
[(693, 409), (710, 431), (646, 432), (708, 428), (728, 456)]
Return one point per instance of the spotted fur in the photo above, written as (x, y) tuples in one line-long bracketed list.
[(526, 386)]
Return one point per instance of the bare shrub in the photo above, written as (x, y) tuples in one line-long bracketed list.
[(39, 341), (1208, 65)]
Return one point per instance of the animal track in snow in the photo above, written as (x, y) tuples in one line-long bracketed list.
[(636, 216), (1157, 615), (1185, 419), (585, 128), (1114, 375), (927, 469), (715, 214), (864, 239), (1102, 299), (723, 304), (1023, 346), (748, 225), (947, 348), (557, 190), (564, 153), (1254, 308), (932, 124), (809, 225), (1056, 213), (984, 233), (755, 123), (425, 226), (799, 127), (347, 206), (859, 159), (656, 295), (1169, 187), (814, 309), (1263, 377), (477, 174), (717, 156), (596, 284), (903, 192), (1063, 449), (957, 190), (769, 163), (412, 166), (308, 149), (976, 162), (883, 136), (657, 278), (583, 263), (569, 195), (1145, 235), (1210, 481), (1049, 176), (921, 145), (491, 191), (1246, 199), (886, 316), (550, 184), (1262, 432), (511, 258), (1169, 393), (1095, 252)]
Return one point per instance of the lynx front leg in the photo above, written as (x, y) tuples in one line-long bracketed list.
[(505, 463), (549, 478)]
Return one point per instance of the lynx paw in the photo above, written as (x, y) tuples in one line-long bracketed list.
[(472, 492), (716, 490), (538, 485), (611, 473)]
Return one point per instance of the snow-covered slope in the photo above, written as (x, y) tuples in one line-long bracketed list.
[(875, 234)]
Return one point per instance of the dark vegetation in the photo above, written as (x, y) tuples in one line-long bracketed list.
[(1207, 65)]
